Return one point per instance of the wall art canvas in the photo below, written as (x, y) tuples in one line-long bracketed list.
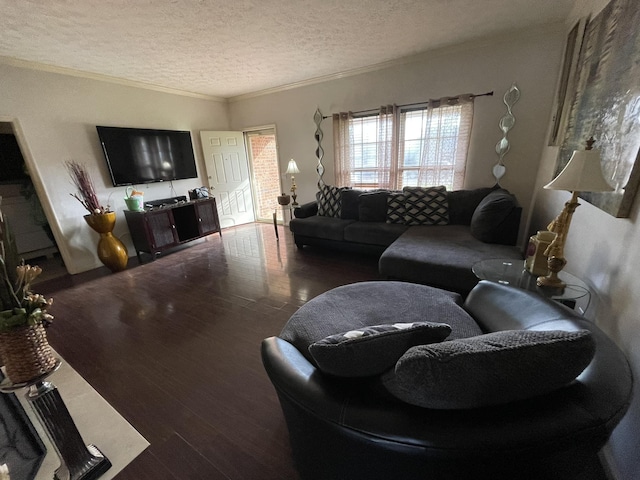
[(606, 103), (567, 82)]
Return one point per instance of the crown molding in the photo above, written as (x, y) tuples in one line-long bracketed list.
[(16, 62), (321, 79), (435, 52)]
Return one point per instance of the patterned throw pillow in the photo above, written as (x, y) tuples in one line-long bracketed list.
[(490, 369), (373, 350), (395, 207), (329, 201), (426, 206)]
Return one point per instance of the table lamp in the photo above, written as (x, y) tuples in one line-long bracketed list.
[(583, 173), (292, 169)]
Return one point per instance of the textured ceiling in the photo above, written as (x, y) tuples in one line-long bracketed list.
[(230, 48)]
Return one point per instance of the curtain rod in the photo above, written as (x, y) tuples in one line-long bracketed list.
[(487, 94)]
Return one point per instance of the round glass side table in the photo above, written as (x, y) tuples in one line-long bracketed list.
[(575, 295)]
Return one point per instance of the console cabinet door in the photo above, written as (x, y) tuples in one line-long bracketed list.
[(161, 229), (207, 213)]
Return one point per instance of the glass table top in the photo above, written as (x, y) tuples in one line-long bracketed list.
[(512, 272)]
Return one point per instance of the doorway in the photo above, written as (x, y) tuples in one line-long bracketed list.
[(262, 149), (243, 174), (22, 208)]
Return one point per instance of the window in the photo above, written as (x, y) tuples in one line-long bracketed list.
[(365, 172), (395, 148)]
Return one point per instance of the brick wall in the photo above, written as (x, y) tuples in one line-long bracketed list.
[(266, 176)]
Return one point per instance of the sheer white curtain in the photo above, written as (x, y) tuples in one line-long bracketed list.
[(387, 147), (420, 145), (342, 148), (445, 132)]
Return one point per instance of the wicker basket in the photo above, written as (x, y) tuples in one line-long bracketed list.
[(26, 353)]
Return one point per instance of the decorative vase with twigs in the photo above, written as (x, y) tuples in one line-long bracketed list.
[(111, 251)]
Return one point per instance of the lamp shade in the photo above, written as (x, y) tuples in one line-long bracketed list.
[(583, 173), (292, 167)]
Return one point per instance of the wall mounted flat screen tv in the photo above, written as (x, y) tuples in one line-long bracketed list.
[(138, 155)]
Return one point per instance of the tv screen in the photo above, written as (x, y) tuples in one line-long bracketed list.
[(138, 155)]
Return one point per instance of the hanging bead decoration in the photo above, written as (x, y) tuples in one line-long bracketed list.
[(506, 123), (317, 119)]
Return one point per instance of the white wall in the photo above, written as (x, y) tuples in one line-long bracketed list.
[(529, 58), (603, 251), (57, 115)]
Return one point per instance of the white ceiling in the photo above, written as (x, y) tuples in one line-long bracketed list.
[(230, 48)]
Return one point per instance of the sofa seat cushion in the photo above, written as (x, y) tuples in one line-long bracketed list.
[(491, 369), (374, 233), (328, 228), (367, 304), (441, 256), (369, 351)]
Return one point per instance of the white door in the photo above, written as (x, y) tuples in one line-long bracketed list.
[(227, 166)]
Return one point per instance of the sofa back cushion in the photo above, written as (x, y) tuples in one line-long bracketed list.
[(462, 204), (491, 214), (350, 204), (372, 206)]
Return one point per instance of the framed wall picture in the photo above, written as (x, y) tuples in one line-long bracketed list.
[(606, 103), (567, 83)]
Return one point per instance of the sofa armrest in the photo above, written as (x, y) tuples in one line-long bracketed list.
[(306, 210)]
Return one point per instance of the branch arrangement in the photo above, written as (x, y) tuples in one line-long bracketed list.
[(86, 191)]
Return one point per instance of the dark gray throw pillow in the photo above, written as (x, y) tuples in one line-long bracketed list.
[(490, 369), (462, 204), (373, 206), (490, 214), (373, 350)]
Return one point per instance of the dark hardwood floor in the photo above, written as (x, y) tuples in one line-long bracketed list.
[(174, 346)]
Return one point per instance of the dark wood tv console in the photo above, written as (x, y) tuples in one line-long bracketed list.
[(158, 229)]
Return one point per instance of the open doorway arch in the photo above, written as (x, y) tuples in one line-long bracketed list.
[(29, 217)]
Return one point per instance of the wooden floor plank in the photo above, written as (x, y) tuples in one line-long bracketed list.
[(174, 346)]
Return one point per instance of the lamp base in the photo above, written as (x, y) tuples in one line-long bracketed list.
[(555, 264)]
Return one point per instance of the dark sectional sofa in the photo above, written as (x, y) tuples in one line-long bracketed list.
[(480, 224)]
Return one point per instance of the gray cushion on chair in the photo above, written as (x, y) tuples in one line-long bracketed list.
[(373, 350), (374, 303), (491, 369)]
